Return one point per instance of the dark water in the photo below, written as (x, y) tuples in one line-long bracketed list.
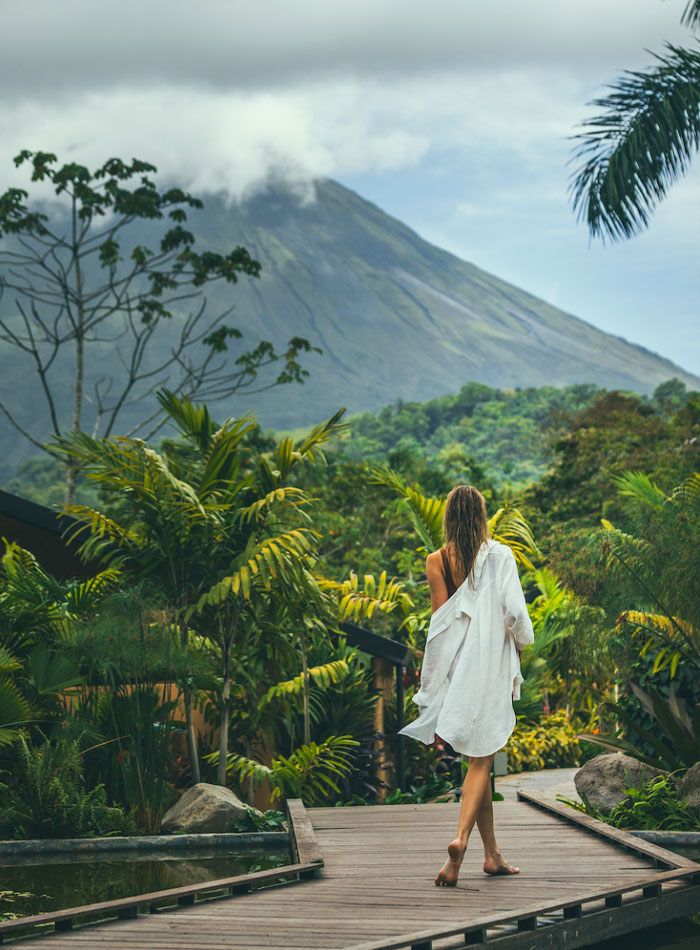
[(28, 887), (681, 934)]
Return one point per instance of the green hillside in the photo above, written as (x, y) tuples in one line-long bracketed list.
[(507, 433)]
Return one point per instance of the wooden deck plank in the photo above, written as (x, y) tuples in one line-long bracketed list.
[(358, 900)]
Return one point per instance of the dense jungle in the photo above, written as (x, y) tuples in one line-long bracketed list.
[(203, 642)]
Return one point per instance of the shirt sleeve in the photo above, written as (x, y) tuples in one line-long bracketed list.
[(515, 616)]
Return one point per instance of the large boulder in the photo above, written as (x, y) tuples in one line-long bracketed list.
[(689, 785), (204, 809), (603, 780)]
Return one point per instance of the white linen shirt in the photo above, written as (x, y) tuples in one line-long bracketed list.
[(471, 668)]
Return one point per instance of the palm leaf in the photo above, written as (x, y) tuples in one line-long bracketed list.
[(323, 676), (274, 558), (640, 144), (426, 513), (688, 494), (619, 745), (8, 662), (192, 420), (508, 526), (691, 14), (52, 673), (287, 495), (356, 603), (15, 711), (639, 486)]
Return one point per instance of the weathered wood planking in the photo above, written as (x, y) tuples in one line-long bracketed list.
[(302, 840), (302, 836), (375, 891)]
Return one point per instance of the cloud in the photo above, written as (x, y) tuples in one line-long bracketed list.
[(221, 95), (218, 140), (244, 44)]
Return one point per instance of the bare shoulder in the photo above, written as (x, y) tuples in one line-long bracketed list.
[(433, 563)]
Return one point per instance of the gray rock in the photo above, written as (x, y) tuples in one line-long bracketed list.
[(689, 785), (603, 780), (204, 809)]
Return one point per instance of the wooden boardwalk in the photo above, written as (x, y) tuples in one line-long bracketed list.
[(579, 883)]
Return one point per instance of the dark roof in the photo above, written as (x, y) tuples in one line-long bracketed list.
[(375, 645), (41, 531)]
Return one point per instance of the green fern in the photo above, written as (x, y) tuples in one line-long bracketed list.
[(45, 797), (310, 773)]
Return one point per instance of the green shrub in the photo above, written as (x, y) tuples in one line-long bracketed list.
[(654, 805), (254, 821), (46, 798), (549, 744)]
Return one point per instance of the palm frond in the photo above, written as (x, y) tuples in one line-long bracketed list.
[(288, 453), (268, 561), (687, 495), (159, 470), (644, 140), (321, 433), (509, 526), (309, 773), (288, 495), (639, 486), (193, 420), (82, 598), (15, 711), (8, 662), (691, 14), (426, 513), (328, 674), (357, 602)]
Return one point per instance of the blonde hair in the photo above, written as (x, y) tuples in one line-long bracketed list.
[(465, 526)]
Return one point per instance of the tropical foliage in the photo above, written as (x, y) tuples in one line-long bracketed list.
[(551, 743), (45, 797), (206, 644), (654, 805), (642, 142)]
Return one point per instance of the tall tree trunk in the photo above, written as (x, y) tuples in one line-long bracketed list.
[(192, 751), (305, 671), (79, 383), (225, 712)]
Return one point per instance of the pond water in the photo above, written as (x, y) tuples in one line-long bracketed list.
[(681, 934), (34, 886)]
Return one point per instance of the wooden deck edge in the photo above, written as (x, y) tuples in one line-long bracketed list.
[(302, 836), (624, 838), (128, 906), (475, 928)]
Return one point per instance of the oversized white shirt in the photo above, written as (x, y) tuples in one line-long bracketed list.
[(471, 668)]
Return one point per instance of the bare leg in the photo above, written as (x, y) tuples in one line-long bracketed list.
[(494, 862), (476, 782)]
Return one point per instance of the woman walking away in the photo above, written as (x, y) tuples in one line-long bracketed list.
[(471, 667)]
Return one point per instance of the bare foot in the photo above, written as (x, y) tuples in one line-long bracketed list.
[(496, 864), (448, 874)]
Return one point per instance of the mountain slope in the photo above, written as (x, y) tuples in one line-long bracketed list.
[(397, 317)]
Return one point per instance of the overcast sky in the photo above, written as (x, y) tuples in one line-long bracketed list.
[(454, 116)]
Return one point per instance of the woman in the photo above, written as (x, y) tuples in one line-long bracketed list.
[(471, 667)]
